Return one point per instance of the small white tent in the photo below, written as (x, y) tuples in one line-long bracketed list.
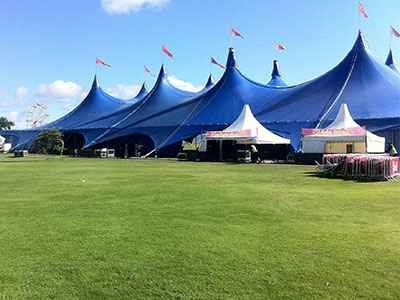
[(343, 135), (2, 140), (247, 130)]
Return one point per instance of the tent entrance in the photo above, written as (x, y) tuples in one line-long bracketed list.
[(73, 141), (135, 145)]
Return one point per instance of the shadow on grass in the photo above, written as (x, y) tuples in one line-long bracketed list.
[(352, 179)]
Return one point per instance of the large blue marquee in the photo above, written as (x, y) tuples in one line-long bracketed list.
[(168, 115)]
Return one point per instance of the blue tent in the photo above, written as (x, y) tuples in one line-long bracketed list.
[(167, 115)]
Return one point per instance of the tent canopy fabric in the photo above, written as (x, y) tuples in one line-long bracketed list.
[(246, 129)]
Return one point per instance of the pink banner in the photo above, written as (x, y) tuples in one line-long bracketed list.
[(356, 131), (247, 133)]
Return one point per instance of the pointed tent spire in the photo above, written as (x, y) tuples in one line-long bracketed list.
[(360, 41), (276, 80), (143, 91), (95, 84), (210, 81), (390, 62), (231, 61), (247, 121), (343, 119), (275, 70), (162, 72)]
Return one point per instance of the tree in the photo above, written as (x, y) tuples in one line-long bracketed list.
[(5, 124), (49, 142)]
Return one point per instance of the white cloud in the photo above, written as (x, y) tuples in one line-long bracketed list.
[(127, 6), (124, 91), (184, 85), (60, 90), (17, 118), (12, 116), (21, 93)]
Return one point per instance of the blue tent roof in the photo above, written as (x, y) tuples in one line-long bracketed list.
[(96, 104), (162, 98), (276, 80), (390, 62)]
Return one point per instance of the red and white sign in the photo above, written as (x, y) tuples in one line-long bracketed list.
[(356, 131), (232, 135)]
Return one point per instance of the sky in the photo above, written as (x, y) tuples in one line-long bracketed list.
[(48, 48)]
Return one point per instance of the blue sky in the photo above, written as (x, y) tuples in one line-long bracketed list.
[(48, 47)]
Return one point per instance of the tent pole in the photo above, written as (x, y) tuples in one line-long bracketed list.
[(220, 151), (126, 151), (150, 153)]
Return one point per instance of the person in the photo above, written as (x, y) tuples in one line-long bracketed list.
[(255, 154), (393, 150)]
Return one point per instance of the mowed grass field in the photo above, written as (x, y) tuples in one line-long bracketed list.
[(134, 229)]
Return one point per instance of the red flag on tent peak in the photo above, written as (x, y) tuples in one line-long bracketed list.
[(167, 52), (234, 32), (394, 32), (362, 10), (102, 62), (280, 47), (215, 62)]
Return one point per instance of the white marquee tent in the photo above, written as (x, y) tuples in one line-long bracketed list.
[(340, 136), (247, 130)]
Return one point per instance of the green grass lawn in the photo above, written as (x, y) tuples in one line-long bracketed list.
[(134, 229)]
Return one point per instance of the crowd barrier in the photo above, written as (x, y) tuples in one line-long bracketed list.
[(364, 166)]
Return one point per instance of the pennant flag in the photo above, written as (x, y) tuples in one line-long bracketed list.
[(280, 47), (234, 32), (148, 71), (102, 62), (215, 62), (394, 32), (362, 10), (167, 52)]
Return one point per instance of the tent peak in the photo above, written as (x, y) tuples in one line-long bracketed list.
[(390, 61), (276, 80), (210, 81), (95, 84), (275, 69), (360, 41), (142, 91), (343, 120), (231, 61)]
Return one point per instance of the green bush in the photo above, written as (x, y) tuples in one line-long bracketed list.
[(49, 142)]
